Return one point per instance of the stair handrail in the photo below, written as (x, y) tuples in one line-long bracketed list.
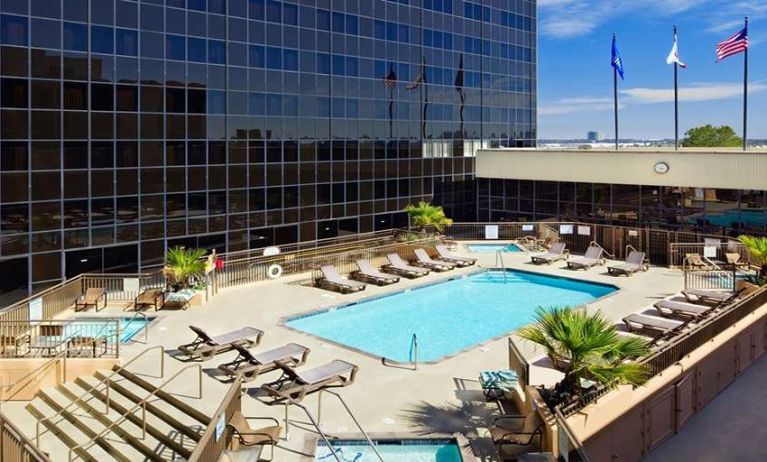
[(141, 404), (63, 354), (356, 422), (105, 379), (141, 314)]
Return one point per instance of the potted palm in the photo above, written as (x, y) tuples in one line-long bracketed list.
[(182, 266), (757, 247), (585, 346), (425, 215)]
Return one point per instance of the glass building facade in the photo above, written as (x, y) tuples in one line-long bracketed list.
[(714, 211), (130, 126)]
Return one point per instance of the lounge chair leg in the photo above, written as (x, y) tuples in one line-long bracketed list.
[(287, 423)]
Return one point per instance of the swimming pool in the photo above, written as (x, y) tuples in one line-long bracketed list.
[(486, 248), (446, 317), (394, 450), (129, 327)]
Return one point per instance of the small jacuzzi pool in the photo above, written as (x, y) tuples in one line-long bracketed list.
[(404, 450), (492, 248)]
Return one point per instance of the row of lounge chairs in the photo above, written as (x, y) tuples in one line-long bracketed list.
[(696, 304), (635, 261), (391, 272)]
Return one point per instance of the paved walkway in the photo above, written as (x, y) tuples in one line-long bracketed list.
[(439, 399), (732, 428)]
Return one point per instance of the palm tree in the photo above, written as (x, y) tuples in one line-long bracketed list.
[(424, 215), (586, 346), (181, 265), (757, 246)]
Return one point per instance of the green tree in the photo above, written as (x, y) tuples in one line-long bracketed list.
[(586, 346), (709, 136), (424, 215), (757, 246), (181, 265)]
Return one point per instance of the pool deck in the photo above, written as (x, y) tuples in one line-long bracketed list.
[(436, 400)]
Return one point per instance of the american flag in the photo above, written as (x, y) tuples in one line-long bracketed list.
[(738, 43)]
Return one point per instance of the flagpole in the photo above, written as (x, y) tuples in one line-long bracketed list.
[(615, 99), (745, 93), (676, 99)]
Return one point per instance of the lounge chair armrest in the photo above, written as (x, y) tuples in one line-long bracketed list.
[(251, 433), (509, 417), (271, 419)]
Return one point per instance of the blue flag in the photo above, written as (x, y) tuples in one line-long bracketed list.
[(617, 61)]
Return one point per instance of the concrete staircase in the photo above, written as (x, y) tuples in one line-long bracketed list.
[(140, 422)]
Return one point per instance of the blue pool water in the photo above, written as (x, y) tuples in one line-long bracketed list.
[(482, 248), (129, 327), (392, 451), (726, 218), (447, 317)]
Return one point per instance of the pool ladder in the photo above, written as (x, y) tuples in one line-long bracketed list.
[(499, 259)]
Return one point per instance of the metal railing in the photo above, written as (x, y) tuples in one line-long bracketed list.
[(414, 351), (716, 253), (142, 404), (15, 446), (144, 328), (86, 337), (106, 380), (61, 357), (354, 419), (570, 447)]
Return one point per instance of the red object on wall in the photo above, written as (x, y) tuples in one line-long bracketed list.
[(219, 263)]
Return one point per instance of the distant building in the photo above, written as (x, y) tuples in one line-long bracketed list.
[(595, 136)]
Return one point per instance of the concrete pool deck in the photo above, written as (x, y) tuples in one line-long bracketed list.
[(436, 400)]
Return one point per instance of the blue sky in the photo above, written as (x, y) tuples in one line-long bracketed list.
[(575, 77)]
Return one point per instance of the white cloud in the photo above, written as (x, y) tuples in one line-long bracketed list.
[(694, 93)]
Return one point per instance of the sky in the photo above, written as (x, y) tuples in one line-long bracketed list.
[(575, 90)]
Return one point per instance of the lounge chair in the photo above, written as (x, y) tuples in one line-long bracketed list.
[(91, 297), (398, 266), (447, 255), (592, 257), (295, 384), (635, 261), (332, 280), (11, 345), (556, 252), (205, 346), (150, 297), (250, 365), (366, 273), (245, 435), (694, 260), (671, 307), (423, 259), (515, 434), (637, 321)]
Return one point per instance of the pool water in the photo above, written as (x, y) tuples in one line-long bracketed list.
[(486, 248), (129, 327), (394, 451), (447, 317)]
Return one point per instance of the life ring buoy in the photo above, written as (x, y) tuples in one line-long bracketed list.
[(274, 271)]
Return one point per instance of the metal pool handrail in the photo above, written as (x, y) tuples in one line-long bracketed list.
[(414, 347), (499, 257), (141, 314)]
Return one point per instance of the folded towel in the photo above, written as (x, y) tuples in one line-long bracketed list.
[(503, 379)]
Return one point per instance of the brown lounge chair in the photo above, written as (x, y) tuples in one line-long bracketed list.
[(294, 384), (515, 434), (592, 257), (635, 261), (205, 346), (556, 252), (332, 280), (366, 273), (250, 365), (150, 297), (637, 321), (719, 296), (245, 435), (448, 256), (423, 260), (398, 266), (91, 297), (672, 307), (694, 260)]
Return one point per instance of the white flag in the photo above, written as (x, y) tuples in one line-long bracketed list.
[(673, 56)]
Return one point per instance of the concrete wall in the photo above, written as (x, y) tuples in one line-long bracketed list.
[(32, 374), (687, 168), (627, 424)]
